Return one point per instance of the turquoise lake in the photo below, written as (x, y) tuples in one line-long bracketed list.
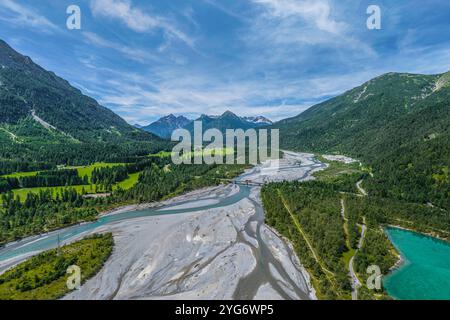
[(425, 273)]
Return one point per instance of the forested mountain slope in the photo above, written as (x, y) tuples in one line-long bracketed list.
[(44, 118), (397, 123)]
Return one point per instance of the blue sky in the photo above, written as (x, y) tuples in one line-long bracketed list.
[(146, 59)]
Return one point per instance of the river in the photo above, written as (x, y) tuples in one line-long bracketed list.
[(48, 241)]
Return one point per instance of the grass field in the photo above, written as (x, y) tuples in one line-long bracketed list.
[(347, 256), (335, 169), (87, 170), (82, 170), (125, 185), (22, 193), (21, 174), (221, 151), (128, 183), (208, 152), (161, 154)]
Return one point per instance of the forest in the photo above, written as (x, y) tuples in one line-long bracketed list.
[(324, 218), (54, 178), (405, 140), (319, 239), (51, 209), (42, 212), (43, 277), (44, 121)]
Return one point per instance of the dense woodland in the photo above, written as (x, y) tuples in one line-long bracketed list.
[(42, 213), (37, 148), (43, 277), (398, 124), (10, 166), (68, 177), (160, 182), (50, 210), (385, 211), (316, 207)]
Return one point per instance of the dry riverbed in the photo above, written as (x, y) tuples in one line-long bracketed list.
[(217, 253)]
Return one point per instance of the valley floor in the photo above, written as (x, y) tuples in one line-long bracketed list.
[(218, 253)]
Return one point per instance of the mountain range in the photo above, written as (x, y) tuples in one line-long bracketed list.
[(259, 120), (228, 120), (166, 125)]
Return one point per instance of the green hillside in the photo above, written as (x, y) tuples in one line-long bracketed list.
[(397, 123), (44, 119)]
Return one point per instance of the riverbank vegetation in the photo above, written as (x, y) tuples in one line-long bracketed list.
[(308, 214), (44, 277)]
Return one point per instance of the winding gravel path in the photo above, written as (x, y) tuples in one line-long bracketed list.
[(355, 281)]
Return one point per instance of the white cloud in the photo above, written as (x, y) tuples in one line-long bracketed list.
[(131, 53), (291, 30), (315, 11), (198, 93), (281, 37), (136, 19), (14, 12), (224, 9)]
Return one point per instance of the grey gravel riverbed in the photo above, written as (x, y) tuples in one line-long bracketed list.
[(219, 251)]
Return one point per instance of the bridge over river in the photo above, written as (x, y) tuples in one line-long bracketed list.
[(248, 183)]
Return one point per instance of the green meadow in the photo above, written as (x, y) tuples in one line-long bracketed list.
[(82, 171), (128, 183), (90, 189), (161, 154), (21, 174), (204, 152), (87, 170)]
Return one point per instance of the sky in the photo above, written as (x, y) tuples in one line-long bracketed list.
[(145, 58)]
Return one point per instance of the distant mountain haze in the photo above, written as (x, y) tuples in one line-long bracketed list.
[(259, 120), (166, 125), (228, 120)]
